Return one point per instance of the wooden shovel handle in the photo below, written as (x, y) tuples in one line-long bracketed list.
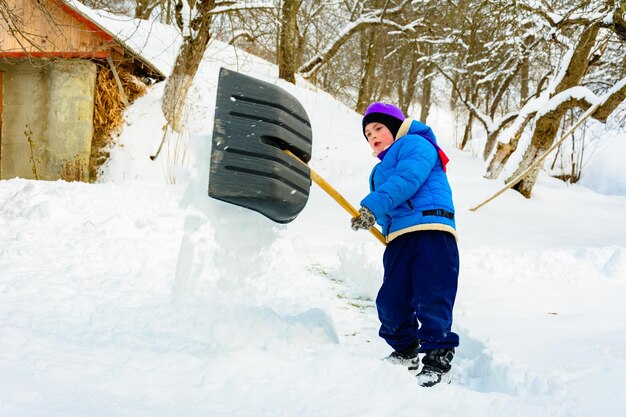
[(339, 198)]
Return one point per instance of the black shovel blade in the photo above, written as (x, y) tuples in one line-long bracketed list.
[(254, 122)]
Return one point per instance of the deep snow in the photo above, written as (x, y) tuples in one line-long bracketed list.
[(140, 296)]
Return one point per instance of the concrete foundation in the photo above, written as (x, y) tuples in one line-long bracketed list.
[(47, 119)]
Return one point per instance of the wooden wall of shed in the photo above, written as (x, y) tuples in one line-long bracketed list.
[(43, 27)]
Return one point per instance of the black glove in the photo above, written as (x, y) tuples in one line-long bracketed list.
[(365, 220)]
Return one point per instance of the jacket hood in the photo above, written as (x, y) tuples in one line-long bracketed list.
[(415, 127)]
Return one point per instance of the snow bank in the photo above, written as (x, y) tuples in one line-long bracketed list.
[(605, 170)]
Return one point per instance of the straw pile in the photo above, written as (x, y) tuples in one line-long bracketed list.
[(108, 115), (73, 170)]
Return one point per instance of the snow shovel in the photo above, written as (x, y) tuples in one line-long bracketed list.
[(262, 141)]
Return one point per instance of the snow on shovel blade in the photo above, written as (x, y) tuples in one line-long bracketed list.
[(254, 122)]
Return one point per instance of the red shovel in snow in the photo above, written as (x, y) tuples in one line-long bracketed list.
[(262, 141)]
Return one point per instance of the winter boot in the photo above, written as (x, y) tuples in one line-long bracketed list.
[(406, 357), (436, 367)]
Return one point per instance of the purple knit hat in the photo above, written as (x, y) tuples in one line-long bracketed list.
[(384, 113)]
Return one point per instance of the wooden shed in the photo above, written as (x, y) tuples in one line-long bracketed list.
[(50, 56)]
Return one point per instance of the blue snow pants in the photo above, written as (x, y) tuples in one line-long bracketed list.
[(418, 291)]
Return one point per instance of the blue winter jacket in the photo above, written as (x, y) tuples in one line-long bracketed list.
[(409, 187)]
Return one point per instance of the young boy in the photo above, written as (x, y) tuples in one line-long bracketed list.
[(410, 198)]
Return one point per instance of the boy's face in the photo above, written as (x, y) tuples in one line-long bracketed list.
[(378, 136)]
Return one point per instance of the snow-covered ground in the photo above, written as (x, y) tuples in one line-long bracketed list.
[(140, 296)]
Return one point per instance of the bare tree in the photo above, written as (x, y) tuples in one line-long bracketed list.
[(195, 40), (196, 35), (368, 18), (567, 91), (370, 52)]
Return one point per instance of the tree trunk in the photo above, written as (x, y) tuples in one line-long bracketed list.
[(186, 65), (287, 42), (504, 150), (619, 20), (491, 141), (370, 54), (454, 95), (547, 129), (547, 125), (612, 102), (543, 137), (468, 131), (407, 92), (524, 79), (493, 136), (500, 91), (576, 68), (427, 88)]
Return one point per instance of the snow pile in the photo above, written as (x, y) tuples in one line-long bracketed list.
[(605, 170), (140, 296)]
